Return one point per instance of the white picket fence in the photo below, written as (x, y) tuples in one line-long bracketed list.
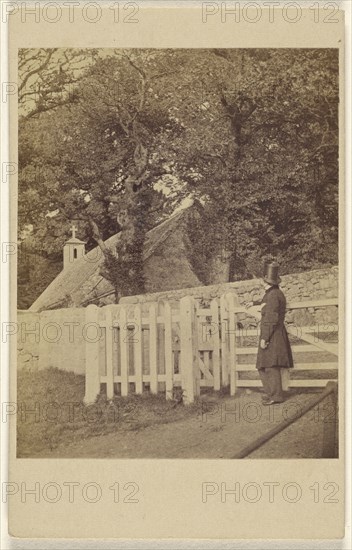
[(188, 347)]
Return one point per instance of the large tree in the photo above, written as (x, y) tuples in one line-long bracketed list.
[(251, 133), (264, 150)]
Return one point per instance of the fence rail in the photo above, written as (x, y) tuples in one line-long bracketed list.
[(183, 345), (330, 432)]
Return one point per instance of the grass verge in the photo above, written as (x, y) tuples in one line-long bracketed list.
[(51, 411)]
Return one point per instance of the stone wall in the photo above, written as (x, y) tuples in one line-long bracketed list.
[(308, 285), (319, 283)]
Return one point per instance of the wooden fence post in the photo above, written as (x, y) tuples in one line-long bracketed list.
[(230, 298), (169, 357), (138, 351), (124, 343), (285, 379), (108, 353), (224, 327), (92, 337), (153, 355), (190, 373), (214, 308)]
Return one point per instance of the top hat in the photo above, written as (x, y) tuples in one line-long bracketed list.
[(271, 273), (265, 267)]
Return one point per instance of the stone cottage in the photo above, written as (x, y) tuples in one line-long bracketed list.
[(167, 266)]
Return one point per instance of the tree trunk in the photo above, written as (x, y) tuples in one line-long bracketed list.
[(219, 269)]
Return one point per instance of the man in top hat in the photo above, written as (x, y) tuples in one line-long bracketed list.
[(274, 351)]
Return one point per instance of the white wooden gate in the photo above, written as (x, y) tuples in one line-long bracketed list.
[(163, 346)]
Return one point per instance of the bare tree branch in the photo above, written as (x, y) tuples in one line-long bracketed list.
[(36, 70), (45, 76)]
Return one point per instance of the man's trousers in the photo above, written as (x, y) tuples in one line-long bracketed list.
[(272, 384)]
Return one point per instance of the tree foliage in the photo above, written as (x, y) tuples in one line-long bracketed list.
[(252, 134)]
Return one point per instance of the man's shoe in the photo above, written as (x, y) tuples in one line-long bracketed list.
[(268, 401)]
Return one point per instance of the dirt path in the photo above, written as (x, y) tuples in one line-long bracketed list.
[(229, 425)]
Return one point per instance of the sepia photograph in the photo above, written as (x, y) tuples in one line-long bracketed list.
[(178, 253)]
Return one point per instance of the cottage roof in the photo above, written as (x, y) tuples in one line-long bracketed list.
[(74, 240), (74, 277)]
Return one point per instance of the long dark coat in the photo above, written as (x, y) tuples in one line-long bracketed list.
[(272, 330)]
